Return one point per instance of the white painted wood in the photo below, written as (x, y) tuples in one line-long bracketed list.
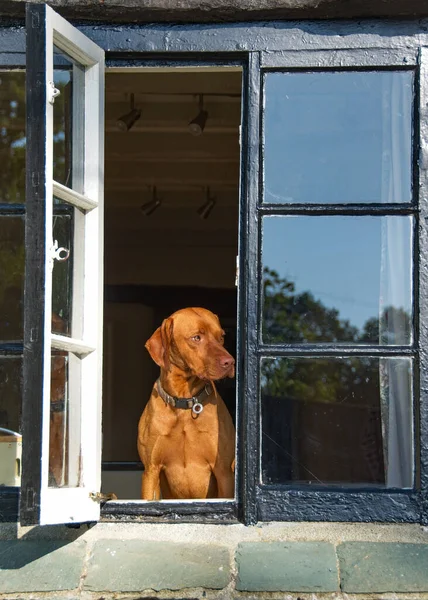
[(74, 43), (67, 344), (73, 503), (68, 195), (68, 505)]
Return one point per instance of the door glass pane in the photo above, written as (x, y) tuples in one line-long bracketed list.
[(62, 272), (12, 137), (337, 279), (10, 420), (344, 420), (62, 115), (338, 137), (65, 428), (11, 278)]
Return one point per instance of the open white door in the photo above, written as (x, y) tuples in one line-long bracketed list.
[(64, 273)]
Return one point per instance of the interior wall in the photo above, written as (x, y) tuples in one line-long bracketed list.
[(129, 373)]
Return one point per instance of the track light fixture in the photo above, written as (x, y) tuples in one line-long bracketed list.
[(204, 211), (149, 207), (126, 121), (197, 125)]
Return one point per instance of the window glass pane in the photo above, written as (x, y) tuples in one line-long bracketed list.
[(65, 429), (11, 278), (328, 420), (337, 279), (62, 111), (12, 137), (62, 272), (338, 137), (10, 420)]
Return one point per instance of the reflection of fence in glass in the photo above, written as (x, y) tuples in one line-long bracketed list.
[(332, 421)]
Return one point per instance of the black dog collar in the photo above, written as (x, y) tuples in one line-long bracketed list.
[(195, 403)]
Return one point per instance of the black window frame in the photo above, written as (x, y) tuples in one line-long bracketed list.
[(289, 502), (260, 47)]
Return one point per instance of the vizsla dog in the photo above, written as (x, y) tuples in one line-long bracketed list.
[(186, 438)]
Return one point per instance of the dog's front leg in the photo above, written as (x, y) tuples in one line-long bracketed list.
[(150, 484), (225, 482)]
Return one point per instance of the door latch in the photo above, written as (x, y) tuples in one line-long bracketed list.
[(53, 92), (59, 253)]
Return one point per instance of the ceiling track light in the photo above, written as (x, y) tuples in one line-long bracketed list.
[(126, 121), (204, 211), (149, 207), (197, 125)]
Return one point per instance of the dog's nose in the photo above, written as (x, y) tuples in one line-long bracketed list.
[(226, 362)]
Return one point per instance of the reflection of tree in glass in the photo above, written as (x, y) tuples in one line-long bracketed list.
[(13, 140), (294, 318), (12, 137), (12, 188), (11, 277), (394, 327), (291, 318), (62, 137)]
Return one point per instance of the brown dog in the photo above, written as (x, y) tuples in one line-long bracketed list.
[(186, 438)]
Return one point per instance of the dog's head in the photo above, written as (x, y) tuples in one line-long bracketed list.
[(192, 340)]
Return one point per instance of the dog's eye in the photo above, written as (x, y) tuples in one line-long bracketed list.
[(196, 338)]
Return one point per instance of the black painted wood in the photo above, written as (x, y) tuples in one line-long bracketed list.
[(306, 39), (337, 209), (185, 512), (334, 350), (422, 285), (34, 267), (11, 349), (348, 505), (9, 503), (272, 36), (11, 209), (355, 58), (248, 431)]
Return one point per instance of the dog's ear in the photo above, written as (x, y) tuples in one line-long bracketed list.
[(159, 344)]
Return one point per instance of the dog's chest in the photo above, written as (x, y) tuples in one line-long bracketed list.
[(191, 437)]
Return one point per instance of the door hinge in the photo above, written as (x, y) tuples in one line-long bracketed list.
[(99, 497)]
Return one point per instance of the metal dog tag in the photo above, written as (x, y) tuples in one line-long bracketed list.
[(197, 408)]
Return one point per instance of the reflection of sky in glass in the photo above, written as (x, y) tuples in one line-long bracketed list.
[(357, 265), (338, 137)]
